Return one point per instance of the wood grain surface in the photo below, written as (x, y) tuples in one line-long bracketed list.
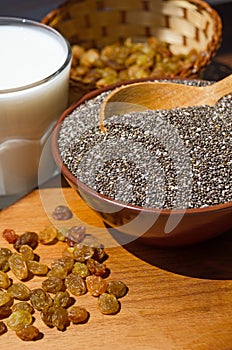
[(178, 299)]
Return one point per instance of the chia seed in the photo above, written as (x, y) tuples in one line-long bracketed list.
[(179, 158)]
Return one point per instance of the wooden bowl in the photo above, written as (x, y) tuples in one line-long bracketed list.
[(166, 227), (184, 25)]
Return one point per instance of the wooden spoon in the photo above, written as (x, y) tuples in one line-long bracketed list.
[(161, 95)]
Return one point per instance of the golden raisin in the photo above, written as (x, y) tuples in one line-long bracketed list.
[(37, 268), (52, 285), (5, 253), (18, 266), (27, 252), (19, 291), (75, 284), (19, 318), (118, 288), (5, 298), (47, 235), (62, 299), (108, 304), (66, 262), (40, 299), (82, 252), (4, 280), (96, 285), (81, 269), (77, 314), (58, 271), (23, 305), (27, 332)]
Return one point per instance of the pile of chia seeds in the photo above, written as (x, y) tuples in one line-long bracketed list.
[(179, 158)]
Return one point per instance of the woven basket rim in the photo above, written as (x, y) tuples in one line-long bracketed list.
[(214, 14), (205, 56)]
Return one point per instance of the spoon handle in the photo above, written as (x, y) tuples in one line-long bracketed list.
[(219, 89)]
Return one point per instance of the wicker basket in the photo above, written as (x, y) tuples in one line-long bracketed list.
[(184, 25)]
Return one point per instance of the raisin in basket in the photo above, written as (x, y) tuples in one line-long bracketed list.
[(183, 25)]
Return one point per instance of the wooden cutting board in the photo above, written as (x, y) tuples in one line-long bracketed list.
[(178, 299)]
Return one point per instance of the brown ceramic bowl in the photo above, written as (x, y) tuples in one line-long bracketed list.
[(166, 227)]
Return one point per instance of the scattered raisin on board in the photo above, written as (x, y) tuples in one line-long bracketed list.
[(62, 212), (27, 332), (28, 238), (77, 314), (18, 318), (23, 305), (79, 271), (19, 291), (108, 304), (10, 235)]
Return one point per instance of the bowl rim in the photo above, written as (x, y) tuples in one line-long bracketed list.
[(73, 180)]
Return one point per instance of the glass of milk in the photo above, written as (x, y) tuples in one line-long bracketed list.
[(34, 83)]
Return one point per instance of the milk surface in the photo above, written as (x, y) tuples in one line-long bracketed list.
[(28, 55)]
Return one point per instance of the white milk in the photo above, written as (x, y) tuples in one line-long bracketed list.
[(34, 75)]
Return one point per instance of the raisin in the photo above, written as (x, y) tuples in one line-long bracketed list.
[(3, 328), (62, 212), (75, 284), (27, 238), (81, 269), (68, 252), (75, 235), (5, 298), (108, 304), (48, 235), (58, 271), (99, 254), (5, 253), (95, 267), (46, 315), (77, 314), (4, 265), (40, 299), (10, 235), (61, 234), (62, 299), (27, 332), (37, 268), (5, 311), (27, 252), (66, 262), (19, 291), (4, 280), (82, 252), (18, 318), (18, 266), (60, 318), (96, 285), (23, 305), (55, 316), (53, 285), (118, 288)]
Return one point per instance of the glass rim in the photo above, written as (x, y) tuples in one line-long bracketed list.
[(5, 20)]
